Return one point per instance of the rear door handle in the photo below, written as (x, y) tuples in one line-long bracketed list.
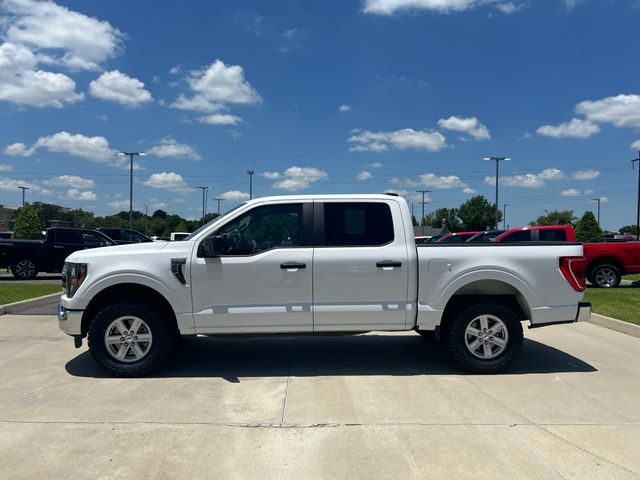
[(292, 265), (58, 246), (387, 264)]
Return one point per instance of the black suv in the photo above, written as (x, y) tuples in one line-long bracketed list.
[(124, 236)]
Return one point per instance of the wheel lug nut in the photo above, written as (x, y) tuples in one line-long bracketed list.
[(490, 338), (124, 333), (490, 331), (126, 344), (135, 338), (486, 343), (122, 339)]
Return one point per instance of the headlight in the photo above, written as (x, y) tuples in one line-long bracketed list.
[(73, 274)]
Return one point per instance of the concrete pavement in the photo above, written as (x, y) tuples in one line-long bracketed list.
[(369, 406)]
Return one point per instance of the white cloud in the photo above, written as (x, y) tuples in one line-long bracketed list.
[(167, 181), (344, 108), (367, 141), (571, 192), (220, 119), (589, 174), (168, 147), (73, 181), (121, 204), (18, 150), (119, 87), (298, 178), (214, 89), (235, 195), (431, 180), (527, 180), (10, 185), (470, 126), (364, 175), (604, 200), (575, 128), (60, 35), (271, 175), (635, 145), (571, 4), (468, 190), (92, 148), (376, 165), (621, 110), (23, 84), (5, 167), (75, 194), (389, 7)]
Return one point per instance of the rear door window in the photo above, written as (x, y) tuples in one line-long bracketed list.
[(357, 224), (557, 235), (521, 236)]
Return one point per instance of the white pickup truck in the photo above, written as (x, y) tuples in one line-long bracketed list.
[(316, 264)]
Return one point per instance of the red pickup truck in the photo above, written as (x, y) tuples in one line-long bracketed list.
[(605, 262)]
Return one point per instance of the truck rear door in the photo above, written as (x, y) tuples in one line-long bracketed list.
[(360, 266)]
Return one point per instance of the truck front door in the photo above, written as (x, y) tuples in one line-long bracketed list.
[(360, 266), (262, 280)]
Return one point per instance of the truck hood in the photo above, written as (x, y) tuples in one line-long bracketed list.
[(118, 251)]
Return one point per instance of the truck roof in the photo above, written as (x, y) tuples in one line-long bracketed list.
[(349, 196)]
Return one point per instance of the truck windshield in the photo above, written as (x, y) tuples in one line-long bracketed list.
[(215, 220)]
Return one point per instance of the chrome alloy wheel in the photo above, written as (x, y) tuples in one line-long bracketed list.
[(486, 337), (25, 268), (605, 277), (128, 339)]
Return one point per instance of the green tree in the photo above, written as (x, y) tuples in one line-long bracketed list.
[(447, 217), (555, 217), (588, 230), (182, 226), (628, 229), (478, 213), (27, 225)]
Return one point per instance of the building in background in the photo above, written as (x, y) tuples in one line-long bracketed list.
[(7, 214)]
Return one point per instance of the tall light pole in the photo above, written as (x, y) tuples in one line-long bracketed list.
[(638, 208), (421, 223), (204, 202), (23, 189), (598, 200), (219, 200), (497, 160), (250, 173), (131, 155), (504, 216)]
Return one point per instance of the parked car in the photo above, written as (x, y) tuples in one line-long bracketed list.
[(177, 236), (605, 263), (547, 233), (124, 236), (26, 258), (316, 264), (457, 237), (5, 235), (486, 236), (435, 238), (422, 239)]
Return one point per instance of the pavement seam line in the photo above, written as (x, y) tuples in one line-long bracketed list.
[(286, 390), (536, 452)]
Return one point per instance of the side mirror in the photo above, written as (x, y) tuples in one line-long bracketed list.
[(212, 246)]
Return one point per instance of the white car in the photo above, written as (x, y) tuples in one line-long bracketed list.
[(333, 263)]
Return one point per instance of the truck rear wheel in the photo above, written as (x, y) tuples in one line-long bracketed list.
[(485, 337), (24, 269), (606, 276), (130, 339)]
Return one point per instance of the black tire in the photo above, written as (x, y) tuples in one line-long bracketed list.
[(606, 276), (24, 269), (457, 337), (157, 351)]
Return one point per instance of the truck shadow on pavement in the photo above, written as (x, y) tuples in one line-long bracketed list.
[(327, 355)]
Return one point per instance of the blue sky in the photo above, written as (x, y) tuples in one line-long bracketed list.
[(322, 97)]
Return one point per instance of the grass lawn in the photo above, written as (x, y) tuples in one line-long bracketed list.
[(635, 277), (15, 292), (621, 303)]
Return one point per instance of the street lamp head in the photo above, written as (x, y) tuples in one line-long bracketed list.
[(132, 154), (250, 172), (497, 158)]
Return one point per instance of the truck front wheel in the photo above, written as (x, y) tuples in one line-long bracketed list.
[(485, 337), (130, 339), (24, 269)]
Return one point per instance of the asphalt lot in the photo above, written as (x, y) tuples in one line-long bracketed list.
[(368, 406)]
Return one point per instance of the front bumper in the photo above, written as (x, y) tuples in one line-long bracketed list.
[(70, 321)]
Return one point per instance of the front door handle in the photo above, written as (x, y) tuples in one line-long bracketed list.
[(292, 265), (388, 264), (58, 246)]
